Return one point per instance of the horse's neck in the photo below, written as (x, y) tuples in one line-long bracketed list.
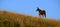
[(40, 10)]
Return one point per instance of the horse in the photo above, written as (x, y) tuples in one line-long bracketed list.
[(41, 12)]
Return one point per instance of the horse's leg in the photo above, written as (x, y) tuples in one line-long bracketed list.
[(39, 15), (45, 15)]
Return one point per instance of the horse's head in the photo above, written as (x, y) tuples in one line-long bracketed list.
[(37, 9)]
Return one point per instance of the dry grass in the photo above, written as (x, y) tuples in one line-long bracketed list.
[(11, 19)]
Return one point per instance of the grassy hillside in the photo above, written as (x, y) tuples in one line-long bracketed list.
[(11, 19)]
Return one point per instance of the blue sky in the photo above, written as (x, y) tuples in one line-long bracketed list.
[(52, 7)]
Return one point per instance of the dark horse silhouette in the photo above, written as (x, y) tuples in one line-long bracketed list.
[(41, 12)]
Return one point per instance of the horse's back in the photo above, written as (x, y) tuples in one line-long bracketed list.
[(44, 11)]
